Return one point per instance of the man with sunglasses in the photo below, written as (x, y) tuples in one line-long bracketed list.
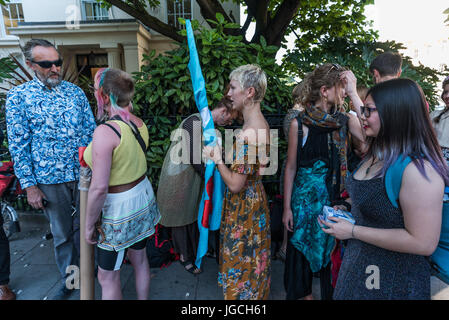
[(48, 119)]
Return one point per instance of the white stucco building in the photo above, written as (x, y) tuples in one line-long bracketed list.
[(89, 36)]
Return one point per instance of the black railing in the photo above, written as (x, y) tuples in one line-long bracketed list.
[(271, 183), (275, 121)]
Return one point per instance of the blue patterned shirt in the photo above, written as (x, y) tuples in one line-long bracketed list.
[(45, 128)]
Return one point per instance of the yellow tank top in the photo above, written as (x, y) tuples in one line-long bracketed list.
[(128, 160)]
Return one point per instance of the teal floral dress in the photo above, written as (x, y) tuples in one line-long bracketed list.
[(317, 183), (308, 198), (245, 265)]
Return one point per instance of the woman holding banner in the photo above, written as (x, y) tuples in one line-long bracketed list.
[(245, 266)]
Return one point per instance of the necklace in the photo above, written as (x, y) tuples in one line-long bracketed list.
[(372, 164)]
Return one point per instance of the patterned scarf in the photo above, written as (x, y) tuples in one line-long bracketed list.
[(317, 117)]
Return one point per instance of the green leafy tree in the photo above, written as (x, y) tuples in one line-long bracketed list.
[(357, 56), (274, 19), (164, 88), (446, 12)]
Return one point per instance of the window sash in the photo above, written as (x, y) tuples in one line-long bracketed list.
[(12, 14), (178, 9), (93, 11)]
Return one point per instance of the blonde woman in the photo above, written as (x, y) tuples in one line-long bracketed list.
[(244, 264)]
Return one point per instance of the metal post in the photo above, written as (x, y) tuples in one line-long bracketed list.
[(87, 250)]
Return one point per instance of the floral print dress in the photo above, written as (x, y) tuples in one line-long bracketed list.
[(245, 265)]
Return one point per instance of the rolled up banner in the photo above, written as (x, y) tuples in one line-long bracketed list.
[(209, 213)]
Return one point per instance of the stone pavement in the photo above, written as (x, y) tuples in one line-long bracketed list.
[(34, 275)]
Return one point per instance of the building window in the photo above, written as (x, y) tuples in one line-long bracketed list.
[(12, 15), (92, 10), (178, 9)]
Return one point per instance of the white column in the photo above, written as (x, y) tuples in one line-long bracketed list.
[(114, 60), (2, 27), (131, 54)]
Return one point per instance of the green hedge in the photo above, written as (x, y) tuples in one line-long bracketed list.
[(164, 88)]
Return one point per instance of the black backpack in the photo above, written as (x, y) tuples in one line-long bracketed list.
[(160, 250)]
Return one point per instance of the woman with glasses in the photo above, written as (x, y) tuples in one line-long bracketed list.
[(315, 175), (387, 249), (440, 120)]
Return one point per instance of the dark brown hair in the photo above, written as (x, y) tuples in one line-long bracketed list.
[(405, 127), (387, 63)]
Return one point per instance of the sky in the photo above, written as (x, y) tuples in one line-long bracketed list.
[(419, 24)]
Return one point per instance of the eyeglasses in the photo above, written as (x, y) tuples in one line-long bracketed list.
[(366, 111), (334, 66), (48, 64)]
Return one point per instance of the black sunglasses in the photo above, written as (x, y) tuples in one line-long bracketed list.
[(48, 64), (366, 111)]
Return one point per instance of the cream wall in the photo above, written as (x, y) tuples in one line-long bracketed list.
[(55, 10), (46, 10), (59, 10), (125, 43)]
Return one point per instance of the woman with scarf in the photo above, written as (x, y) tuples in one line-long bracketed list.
[(315, 175)]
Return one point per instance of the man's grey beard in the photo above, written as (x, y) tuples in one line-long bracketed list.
[(49, 82)]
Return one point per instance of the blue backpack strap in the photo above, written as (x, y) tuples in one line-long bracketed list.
[(393, 179)]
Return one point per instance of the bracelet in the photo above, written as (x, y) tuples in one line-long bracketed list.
[(352, 232)]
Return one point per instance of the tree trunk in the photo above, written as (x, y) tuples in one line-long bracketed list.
[(277, 27), (148, 20), (272, 29)]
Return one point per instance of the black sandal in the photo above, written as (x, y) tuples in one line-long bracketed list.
[(190, 267)]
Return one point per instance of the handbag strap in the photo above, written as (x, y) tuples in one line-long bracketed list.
[(300, 137), (135, 131), (115, 130)]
